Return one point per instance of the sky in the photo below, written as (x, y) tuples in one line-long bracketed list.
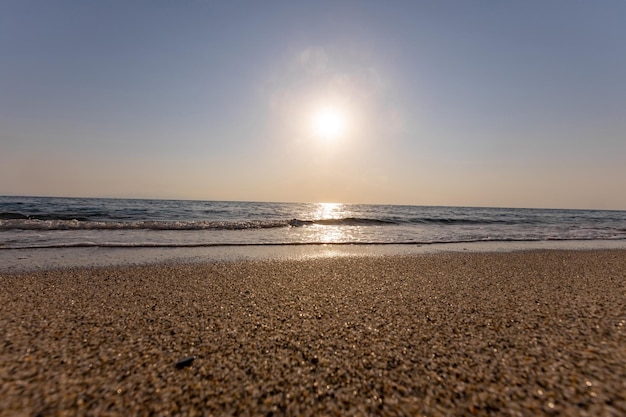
[(462, 103)]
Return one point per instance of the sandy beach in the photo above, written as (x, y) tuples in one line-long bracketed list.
[(520, 333)]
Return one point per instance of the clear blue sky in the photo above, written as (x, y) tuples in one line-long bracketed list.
[(488, 103)]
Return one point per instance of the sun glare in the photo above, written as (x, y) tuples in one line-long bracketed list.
[(329, 123)]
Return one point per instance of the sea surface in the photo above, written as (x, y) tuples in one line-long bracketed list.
[(47, 222)]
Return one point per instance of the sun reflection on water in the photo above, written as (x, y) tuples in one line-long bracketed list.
[(330, 233), (328, 211)]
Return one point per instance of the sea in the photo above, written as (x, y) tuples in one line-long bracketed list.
[(51, 222)]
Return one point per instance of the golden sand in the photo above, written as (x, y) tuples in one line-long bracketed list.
[(520, 333)]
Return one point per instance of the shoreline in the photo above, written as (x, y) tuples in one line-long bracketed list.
[(509, 333), (38, 259)]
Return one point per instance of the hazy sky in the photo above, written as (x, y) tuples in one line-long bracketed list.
[(479, 103)]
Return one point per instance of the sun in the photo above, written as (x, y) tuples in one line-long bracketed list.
[(329, 123)]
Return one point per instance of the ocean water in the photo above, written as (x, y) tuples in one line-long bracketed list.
[(42, 222)]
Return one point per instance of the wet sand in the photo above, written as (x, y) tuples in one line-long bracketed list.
[(521, 333)]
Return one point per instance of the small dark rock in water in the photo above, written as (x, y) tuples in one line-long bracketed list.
[(185, 362)]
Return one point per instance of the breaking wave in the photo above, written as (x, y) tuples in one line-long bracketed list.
[(16, 221)]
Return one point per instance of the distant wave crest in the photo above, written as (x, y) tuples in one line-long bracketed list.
[(16, 221), (75, 224), (347, 221)]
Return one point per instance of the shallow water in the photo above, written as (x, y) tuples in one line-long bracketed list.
[(26, 260)]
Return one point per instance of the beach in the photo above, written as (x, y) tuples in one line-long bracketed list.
[(504, 333)]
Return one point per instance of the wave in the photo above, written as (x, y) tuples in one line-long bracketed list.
[(346, 221), (76, 224), (16, 221), (13, 216)]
